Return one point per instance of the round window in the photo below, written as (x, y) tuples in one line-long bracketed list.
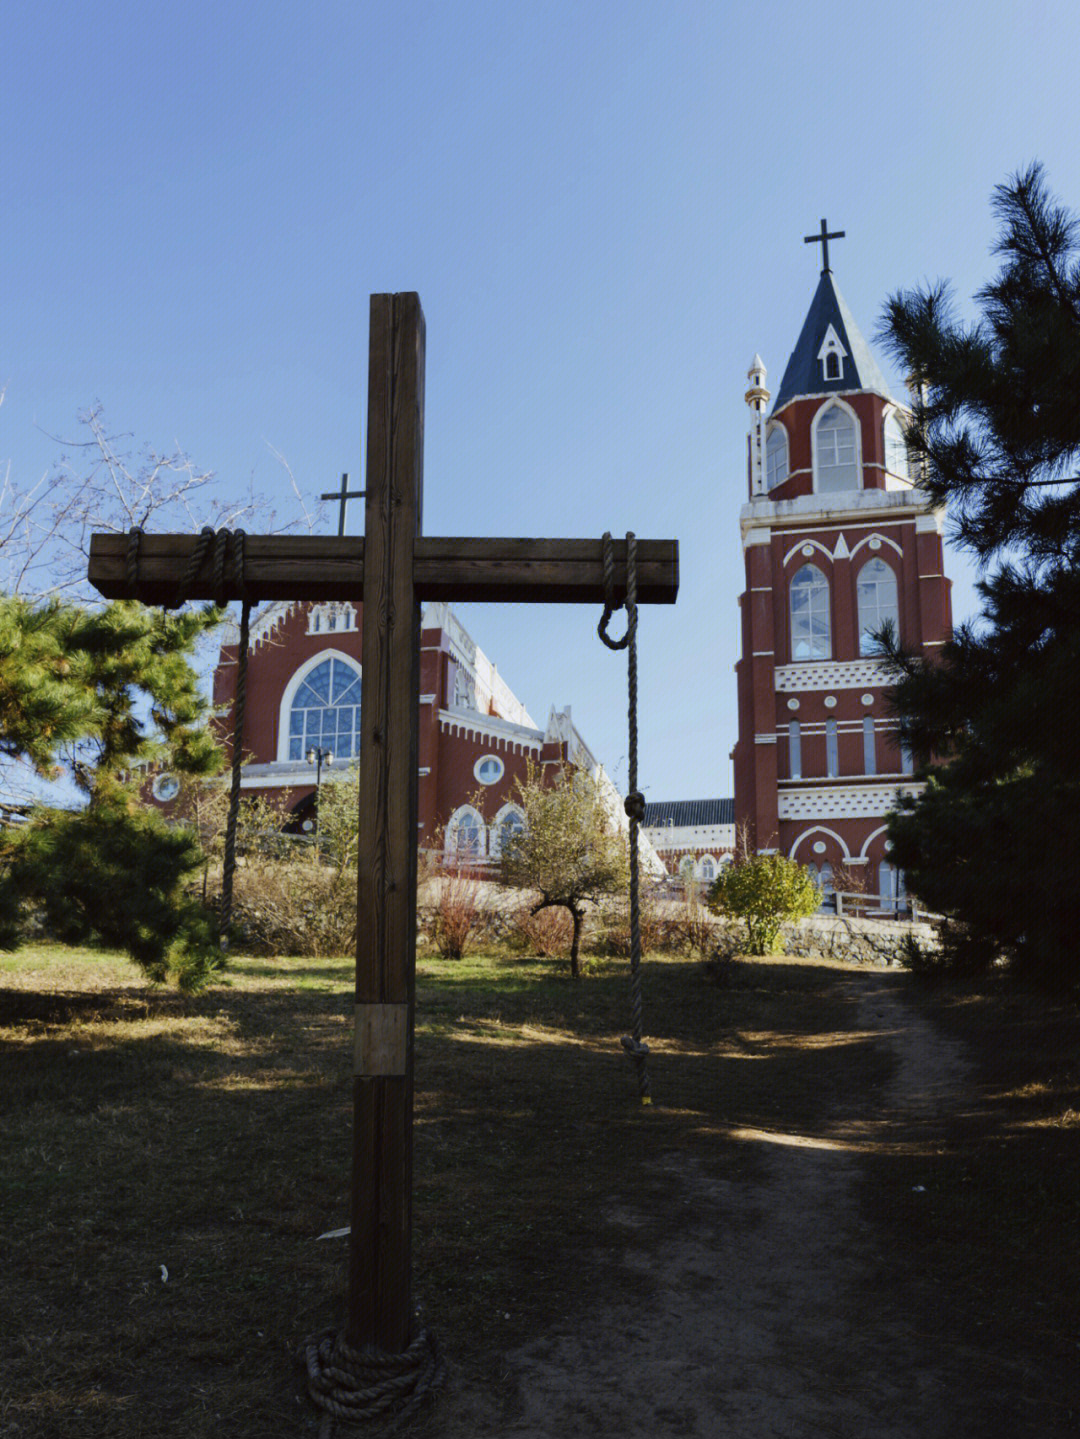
[(165, 788), (489, 769)]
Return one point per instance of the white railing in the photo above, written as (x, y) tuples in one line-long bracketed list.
[(880, 906)]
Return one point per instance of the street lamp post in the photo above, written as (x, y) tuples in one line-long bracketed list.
[(318, 757)]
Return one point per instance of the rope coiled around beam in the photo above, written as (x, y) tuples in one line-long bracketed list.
[(634, 804), (364, 1385), (221, 546)]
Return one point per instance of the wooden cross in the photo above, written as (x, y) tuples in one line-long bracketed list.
[(391, 569), (344, 495), (823, 240)]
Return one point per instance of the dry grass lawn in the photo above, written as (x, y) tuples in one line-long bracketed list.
[(169, 1163)]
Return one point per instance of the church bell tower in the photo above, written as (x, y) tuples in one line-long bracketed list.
[(837, 539)]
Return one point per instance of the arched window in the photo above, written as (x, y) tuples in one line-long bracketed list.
[(325, 711), (707, 869), (686, 869), (810, 630), (896, 453), (892, 888), (508, 822), (836, 450), (465, 833), (828, 891), (776, 457), (875, 592)]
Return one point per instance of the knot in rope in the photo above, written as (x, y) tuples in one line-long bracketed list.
[(630, 603), (355, 1385), (634, 805)]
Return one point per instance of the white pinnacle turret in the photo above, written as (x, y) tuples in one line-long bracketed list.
[(757, 397)]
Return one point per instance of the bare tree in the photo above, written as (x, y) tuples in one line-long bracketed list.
[(104, 481)]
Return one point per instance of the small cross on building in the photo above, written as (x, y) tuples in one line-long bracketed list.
[(344, 495)]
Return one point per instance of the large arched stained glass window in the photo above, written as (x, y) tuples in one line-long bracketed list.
[(326, 711), (876, 594), (810, 630)]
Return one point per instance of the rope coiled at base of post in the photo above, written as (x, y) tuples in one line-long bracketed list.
[(357, 1386)]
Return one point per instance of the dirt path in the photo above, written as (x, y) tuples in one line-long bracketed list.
[(778, 1307)]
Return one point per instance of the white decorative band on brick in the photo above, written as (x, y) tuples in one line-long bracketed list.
[(863, 801), (830, 674)]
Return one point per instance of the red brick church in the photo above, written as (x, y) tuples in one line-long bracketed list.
[(837, 539), (302, 725)]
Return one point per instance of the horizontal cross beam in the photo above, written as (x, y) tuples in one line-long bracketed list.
[(330, 567)]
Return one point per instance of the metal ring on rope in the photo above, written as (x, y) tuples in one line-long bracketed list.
[(634, 804)]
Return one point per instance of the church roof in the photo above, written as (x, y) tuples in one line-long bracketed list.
[(805, 374), (680, 813)]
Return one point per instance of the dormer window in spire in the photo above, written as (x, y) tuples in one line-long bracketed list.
[(776, 457), (832, 355)]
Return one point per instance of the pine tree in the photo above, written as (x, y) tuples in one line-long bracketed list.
[(101, 694), (995, 838)]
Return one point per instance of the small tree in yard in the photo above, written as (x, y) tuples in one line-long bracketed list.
[(570, 849), (764, 890)]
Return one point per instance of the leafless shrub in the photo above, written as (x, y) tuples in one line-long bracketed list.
[(547, 933), (456, 919)]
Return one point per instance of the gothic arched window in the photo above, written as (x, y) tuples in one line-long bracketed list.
[(896, 453), (810, 630), (776, 457), (508, 822), (875, 592), (836, 450), (465, 833), (325, 711)]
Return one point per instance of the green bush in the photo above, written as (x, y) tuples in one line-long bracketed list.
[(763, 890)]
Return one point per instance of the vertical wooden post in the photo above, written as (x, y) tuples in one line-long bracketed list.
[(379, 1309)]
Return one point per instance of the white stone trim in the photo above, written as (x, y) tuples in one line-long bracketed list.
[(830, 674), (764, 739), (864, 801), (799, 546), (884, 539), (499, 733), (932, 523), (762, 535), (820, 829)]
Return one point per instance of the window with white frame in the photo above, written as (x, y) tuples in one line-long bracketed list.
[(707, 869), (325, 711), (507, 823), (896, 451), (331, 618), (794, 750), (488, 769), (869, 746), (832, 762), (810, 628), (828, 889), (465, 833), (876, 598), (776, 457), (836, 451)]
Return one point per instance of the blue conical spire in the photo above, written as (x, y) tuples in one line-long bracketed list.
[(805, 373)]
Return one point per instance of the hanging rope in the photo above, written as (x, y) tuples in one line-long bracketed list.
[(222, 542), (634, 804), (358, 1385)]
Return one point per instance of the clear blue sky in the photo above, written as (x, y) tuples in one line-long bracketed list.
[(602, 208)]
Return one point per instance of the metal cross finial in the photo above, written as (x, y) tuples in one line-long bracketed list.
[(344, 495), (823, 240)]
